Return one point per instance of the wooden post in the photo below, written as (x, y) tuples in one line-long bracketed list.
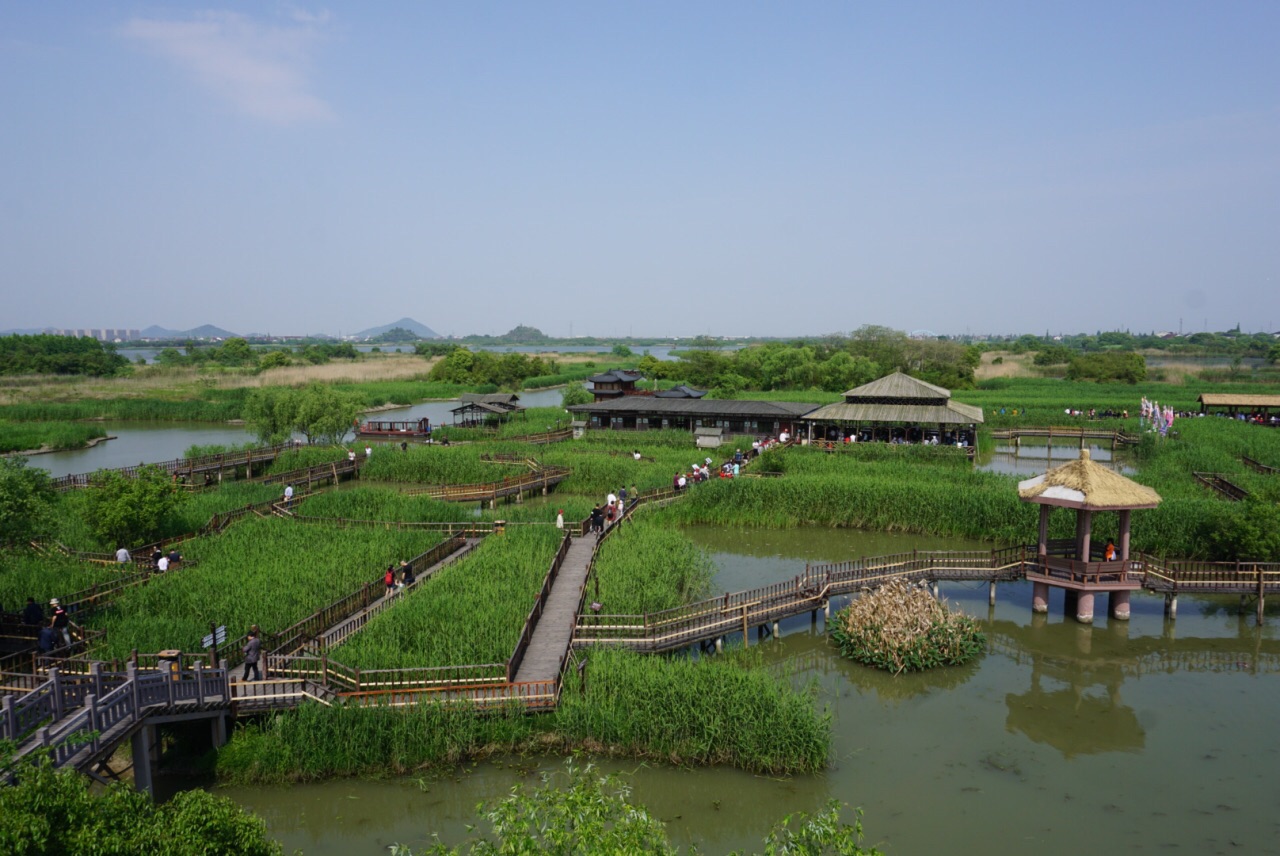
[(991, 594), (1171, 605), (57, 693), (1262, 597), (746, 637), (9, 729)]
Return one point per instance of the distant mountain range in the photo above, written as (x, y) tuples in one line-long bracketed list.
[(206, 331), (421, 330)]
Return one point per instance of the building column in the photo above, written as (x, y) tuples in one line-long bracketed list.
[(1084, 607), (1119, 603)]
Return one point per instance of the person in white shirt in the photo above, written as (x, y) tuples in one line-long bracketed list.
[(123, 557), (288, 495), (560, 519), (163, 564)]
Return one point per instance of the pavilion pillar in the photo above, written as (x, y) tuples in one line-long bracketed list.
[(1119, 605), (1084, 607), (1084, 520), (1040, 598), (1124, 535), (1043, 545)]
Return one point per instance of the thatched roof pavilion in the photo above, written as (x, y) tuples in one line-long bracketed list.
[(897, 399), (1087, 487), (476, 408), (1238, 403)]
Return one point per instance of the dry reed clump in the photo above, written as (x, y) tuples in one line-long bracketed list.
[(901, 627)]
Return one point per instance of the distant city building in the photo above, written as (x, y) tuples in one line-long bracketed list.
[(102, 334)]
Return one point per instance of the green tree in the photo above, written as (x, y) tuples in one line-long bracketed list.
[(274, 359), (1273, 355), (324, 414), (575, 393), (270, 412), (235, 352), (48, 811), (26, 502), (621, 350), (125, 510)]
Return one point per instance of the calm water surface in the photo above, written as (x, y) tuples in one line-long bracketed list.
[(1145, 736)]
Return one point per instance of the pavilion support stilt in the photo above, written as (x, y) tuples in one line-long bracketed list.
[(991, 594), (1084, 607), (1040, 597), (141, 745), (1119, 604)]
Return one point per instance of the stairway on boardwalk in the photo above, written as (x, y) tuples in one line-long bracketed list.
[(555, 628)]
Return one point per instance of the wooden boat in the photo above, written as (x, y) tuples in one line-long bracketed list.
[(420, 429)]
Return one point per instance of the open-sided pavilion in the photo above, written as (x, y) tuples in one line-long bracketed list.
[(896, 408)]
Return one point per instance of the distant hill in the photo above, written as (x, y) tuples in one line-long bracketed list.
[(421, 330), (206, 331)]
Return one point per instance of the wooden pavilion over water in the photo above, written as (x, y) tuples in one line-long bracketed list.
[(481, 409), (1078, 565), (896, 408)]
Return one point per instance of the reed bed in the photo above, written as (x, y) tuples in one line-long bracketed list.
[(47, 576), (365, 502), (471, 613), (436, 464), (901, 627), (308, 456), (722, 710), (318, 742), (265, 571), (31, 436), (647, 567)]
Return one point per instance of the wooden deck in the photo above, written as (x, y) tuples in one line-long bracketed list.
[(543, 660), (1220, 484)]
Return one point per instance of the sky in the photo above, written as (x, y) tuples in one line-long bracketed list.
[(648, 169)]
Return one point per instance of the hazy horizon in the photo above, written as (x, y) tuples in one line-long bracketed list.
[(620, 169)]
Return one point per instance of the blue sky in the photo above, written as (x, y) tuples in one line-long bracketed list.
[(641, 168)]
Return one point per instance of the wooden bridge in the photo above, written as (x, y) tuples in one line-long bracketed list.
[(1076, 433), (1222, 485), (1259, 467), (187, 467), (542, 480)]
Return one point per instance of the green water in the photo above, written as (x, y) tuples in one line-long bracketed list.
[(1140, 736)]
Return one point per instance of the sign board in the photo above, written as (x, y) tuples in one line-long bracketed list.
[(218, 637)]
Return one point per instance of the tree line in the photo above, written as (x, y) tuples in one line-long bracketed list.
[(63, 355)]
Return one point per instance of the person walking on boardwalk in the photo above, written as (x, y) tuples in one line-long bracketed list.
[(389, 578), (288, 495), (560, 518), (252, 650), (122, 555), (597, 520), (33, 614), (61, 622)]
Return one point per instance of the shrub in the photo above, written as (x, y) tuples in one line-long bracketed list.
[(903, 628)]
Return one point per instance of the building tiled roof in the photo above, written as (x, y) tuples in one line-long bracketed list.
[(695, 407), (681, 391)]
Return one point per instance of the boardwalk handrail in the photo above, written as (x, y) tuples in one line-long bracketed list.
[(1067, 432), (1221, 484), (187, 466), (1258, 466), (544, 477)]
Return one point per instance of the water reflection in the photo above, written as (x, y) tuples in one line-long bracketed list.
[(1034, 458)]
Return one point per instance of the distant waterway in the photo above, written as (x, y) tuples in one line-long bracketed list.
[(658, 352), (152, 442), (1144, 736)]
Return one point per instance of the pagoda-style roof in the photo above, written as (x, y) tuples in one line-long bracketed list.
[(617, 376), (899, 398), (1082, 483), (681, 391), (496, 403)]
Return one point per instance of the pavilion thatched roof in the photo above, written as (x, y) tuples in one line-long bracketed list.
[(1082, 483), (899, 398), (1216, 399)]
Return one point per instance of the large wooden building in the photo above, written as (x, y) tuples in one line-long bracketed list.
[(651, 413), (896, 408)]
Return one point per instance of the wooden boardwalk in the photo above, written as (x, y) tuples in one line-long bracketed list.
[(549, 644), (1076, 433)]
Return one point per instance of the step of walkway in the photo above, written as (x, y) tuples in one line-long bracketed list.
[(554, 633)]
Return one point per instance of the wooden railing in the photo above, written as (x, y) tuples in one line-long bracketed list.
[(1220, 483), (182, 466), (1259, 467), (1070, 432), (543, 478)]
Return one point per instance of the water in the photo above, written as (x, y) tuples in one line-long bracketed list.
[(1062, 739), (152, 442), (1035, 458), (658, 352)]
